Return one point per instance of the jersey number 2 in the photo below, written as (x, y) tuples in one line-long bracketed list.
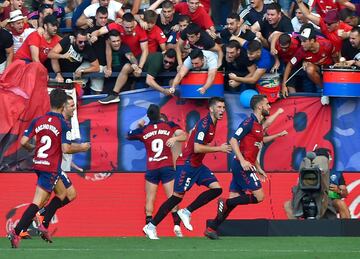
[(46, 140)]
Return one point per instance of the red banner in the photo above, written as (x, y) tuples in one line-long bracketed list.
[(113, 204)]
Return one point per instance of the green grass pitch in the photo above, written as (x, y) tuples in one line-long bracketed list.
[(194, 248)]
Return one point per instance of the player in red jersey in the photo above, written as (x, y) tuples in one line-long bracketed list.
[(250, 134), (191, 170), (52, 139), (159, 138)]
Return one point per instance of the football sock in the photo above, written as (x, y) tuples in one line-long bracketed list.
[(176, 218), (217, 221), (165, 208), (51, 208), (204, 198), (148, 219), (65, 202), (26, 218), (241, 200)]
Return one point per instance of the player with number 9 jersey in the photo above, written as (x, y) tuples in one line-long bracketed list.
[(154, 136), (51, 131)]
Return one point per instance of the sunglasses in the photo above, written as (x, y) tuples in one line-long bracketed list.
[(82, 42), (168, 62), (329, 24)]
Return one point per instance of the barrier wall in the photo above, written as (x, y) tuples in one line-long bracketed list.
[(113, 204)]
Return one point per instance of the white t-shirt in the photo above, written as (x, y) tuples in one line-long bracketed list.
[(113, 8), (210, 61), (19, 39)]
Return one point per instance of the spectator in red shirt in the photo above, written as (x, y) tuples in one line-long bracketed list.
[(156, 37), (132, 35), (197, 14), (37, 46), (331, 26), (314, 52), (323, 6)]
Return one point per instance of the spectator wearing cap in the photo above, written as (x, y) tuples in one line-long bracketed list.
[(8, 6), (315, 51), (331, 26), (6, 49), (18, 28), (37, 46)]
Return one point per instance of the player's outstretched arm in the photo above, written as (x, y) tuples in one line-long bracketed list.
[(272, 118), (272, 137), (75, 148)]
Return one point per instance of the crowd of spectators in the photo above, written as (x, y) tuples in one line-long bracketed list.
[(247, 41)]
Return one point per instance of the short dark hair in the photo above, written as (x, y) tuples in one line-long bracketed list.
[(69, 97), (274, 6), (102, 10), (114, 33), (233, 16), (58, 98), (80, 31), (254, 45), (128, 17), (150, 16), (153, 112), (193, 28), (284, 39), (355, 29), (51, 19), (196, 53), (167, 4), (42, 7), (183, 18), (170, 53), (233, 44), (216, 99), (256, 99)]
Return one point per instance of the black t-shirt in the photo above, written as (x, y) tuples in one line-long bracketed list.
[(240, 64), (284, 25), (100, 45), (6, 41), (225, 35), (349, 52), (205, 41), (166, 28), (77, 57), (251, 16)]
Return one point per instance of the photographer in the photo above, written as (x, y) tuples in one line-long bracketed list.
[(338, 191)]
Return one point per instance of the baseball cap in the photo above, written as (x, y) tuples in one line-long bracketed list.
[(15, 15), (331, 16), (307, 32)]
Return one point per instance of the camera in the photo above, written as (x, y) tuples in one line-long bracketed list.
[(310, 196)]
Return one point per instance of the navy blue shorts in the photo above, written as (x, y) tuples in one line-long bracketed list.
[(65, 179), (243, 180), (187, 175), (163, 175), (47, 180)]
